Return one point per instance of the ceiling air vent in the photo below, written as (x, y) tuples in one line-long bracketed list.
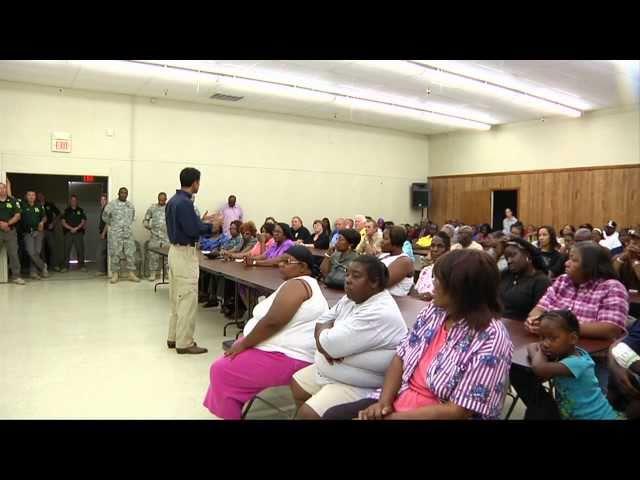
[(226, 98)]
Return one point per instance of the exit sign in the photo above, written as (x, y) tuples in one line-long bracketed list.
[(61, 142)]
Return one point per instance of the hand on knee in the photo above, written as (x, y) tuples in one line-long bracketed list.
[(299, 395), (305, 412)]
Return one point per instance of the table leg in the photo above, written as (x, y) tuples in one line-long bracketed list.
[(163, 282), (238, 322)]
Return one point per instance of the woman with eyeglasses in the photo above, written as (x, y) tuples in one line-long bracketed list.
[(278, 340)]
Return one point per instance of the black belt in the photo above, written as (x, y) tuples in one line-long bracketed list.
[(184, 244)]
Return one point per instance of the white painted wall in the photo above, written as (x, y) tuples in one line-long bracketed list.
[(278, 165), (605, 137)]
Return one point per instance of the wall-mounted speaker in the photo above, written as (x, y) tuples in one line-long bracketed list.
[(420, 195)]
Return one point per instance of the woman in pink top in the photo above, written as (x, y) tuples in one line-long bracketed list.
[(265, 240), (455, 363), (282, 240)]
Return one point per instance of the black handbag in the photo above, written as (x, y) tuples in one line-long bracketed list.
[(336, 277)]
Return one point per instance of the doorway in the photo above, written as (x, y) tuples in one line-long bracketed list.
[(57, 190), (500, 201)]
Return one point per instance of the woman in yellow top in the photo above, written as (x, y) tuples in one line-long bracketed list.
[(424, 241)]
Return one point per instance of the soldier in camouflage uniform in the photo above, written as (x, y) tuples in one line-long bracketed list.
[(155, 222), (119, 216)]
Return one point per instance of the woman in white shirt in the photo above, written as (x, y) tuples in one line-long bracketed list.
[(356, 340), (400, 265), (424, 287), (278, 340), (509, 220)]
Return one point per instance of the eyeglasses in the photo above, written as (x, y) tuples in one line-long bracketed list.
[(289, 261)]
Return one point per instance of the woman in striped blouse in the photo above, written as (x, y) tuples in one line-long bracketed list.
[(455, 363)]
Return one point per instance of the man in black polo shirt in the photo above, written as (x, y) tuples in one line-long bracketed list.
[(49, 244), (184, 228), (73, 221), (33, 219), (9, 217)]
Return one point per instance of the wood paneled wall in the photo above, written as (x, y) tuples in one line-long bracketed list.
[(557, 197)]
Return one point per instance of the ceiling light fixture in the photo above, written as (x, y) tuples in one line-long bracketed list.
[(324, 93), (458, 75), (410, 113)]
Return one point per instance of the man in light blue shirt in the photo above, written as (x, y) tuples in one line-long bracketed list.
[(339, 224)]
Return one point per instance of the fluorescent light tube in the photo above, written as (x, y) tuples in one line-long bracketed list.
[(419, 115), (457, 75)]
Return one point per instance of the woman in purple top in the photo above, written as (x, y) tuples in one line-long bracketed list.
[(455, 363), (282, 240)]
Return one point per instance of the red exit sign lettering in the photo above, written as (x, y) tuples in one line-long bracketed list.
[(61, 142)]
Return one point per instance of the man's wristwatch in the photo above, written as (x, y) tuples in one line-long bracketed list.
[(618, 259), (254, 262), (636, 263)]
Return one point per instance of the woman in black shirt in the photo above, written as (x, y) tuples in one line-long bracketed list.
[(524, 283), (549, 249), (320, 238), (299, 231)]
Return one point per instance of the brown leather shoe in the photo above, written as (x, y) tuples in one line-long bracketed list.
[(171, 344), (193, 349)]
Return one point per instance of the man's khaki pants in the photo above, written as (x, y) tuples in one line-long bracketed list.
[(183, 294)]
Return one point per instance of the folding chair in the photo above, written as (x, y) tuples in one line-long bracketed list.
[(226, 345), (513, 394), (249, 404)]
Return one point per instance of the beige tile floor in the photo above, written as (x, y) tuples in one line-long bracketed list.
[(76, 347)]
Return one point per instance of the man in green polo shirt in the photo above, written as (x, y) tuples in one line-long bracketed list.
[(9, 217), (73, 221), (33, 220), (49, 250)]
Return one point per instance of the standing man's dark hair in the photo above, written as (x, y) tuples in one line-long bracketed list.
[(190, 176)]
